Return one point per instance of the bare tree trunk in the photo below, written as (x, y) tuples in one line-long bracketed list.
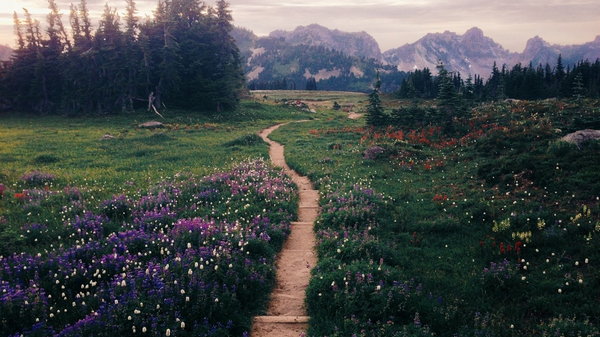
[(151, 107)]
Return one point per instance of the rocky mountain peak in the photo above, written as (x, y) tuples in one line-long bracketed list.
[(470, 53), (474, 33), (359, 44), (536, 43)]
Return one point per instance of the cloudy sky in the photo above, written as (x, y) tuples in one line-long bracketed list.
[(392, 22)]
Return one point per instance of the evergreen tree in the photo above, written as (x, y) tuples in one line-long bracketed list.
[(86, 24), (18, 31), (495, 85), (578, 91), (60, 28), (469, 90), (446, 92), (375, 114), (519, 82), (110, 68), (311, 84), (75, 25), (229, 78), (132, 55), (560, 69)]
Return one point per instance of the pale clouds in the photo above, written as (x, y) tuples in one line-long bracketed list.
[(392, 22)]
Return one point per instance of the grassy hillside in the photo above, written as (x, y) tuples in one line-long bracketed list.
[(490, 230)]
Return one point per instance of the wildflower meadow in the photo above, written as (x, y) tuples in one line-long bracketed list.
[(486, 225), (187, 257)]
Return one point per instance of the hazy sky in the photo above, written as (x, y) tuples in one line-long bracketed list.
[(392, 23)]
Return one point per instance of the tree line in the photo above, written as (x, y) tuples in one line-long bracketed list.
[(520, 82), (454, 96), (181, 57)]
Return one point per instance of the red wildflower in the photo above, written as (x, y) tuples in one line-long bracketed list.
[(440, 197), (21, 196), (2, 189), (502, 249), (518, 246)]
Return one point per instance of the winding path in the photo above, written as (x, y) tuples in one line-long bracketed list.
[(286, 315)]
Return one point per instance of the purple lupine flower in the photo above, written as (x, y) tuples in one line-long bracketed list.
[(37, 178)]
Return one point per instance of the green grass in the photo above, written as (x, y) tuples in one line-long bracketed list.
[(72, 148), (279, 95)]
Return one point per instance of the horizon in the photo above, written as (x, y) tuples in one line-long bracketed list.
[(391, 23)]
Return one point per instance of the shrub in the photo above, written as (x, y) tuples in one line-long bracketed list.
[(247, 140), (373, 152), (45, 159)]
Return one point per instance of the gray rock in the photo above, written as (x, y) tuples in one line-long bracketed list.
[(581, 136), (107, 137), (152, 125)]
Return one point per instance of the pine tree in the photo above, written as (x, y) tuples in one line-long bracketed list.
[(375, 114), (446, 93), (60, 28), (560, 69), (131, 55), (469, 91), (109, 53), (86, 24), (578, 89), (18, 31), (230, 81), (131, 20), (311, 84), (110, 69), (495, 85), (75, 25)]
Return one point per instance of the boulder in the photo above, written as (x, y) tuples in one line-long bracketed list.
[(107, 137), (581, 136), (152, 125)]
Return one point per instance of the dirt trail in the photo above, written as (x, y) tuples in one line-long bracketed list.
[(286, 315)]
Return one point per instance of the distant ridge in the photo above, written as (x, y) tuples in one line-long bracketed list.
[(335, 59), (5, 53)]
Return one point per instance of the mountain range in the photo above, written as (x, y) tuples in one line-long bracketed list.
[(470, 53), (340, 60), (474, 53)]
